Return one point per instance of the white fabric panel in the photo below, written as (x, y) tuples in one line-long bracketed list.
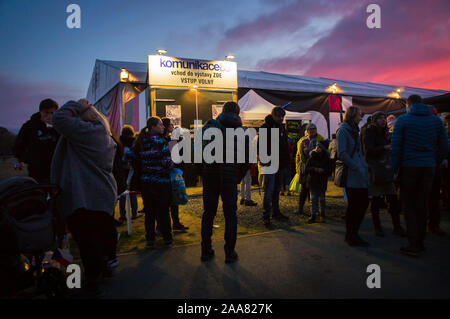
[(254, 107), (346, 102), (319, 120), (335, 121)]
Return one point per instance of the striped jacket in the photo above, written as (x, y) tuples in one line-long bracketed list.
[(155, 159)]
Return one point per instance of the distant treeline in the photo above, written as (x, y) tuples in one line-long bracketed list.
[(6, 141)]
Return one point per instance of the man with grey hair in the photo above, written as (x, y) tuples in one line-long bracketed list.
[(304, 146)]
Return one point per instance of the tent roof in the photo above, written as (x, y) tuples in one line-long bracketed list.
[(106, 75)]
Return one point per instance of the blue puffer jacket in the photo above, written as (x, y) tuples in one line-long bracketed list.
[(419, 139)]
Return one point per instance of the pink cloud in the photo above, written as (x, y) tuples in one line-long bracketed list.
[(411, 48), (286, 18)]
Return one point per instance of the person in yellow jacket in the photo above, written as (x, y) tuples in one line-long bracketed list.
[(304, 146)]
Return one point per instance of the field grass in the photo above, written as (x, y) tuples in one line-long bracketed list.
[(249, 218)]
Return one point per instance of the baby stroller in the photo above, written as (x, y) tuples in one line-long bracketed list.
[(27, 223)]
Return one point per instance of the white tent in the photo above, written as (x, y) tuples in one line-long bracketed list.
[(114, 98)]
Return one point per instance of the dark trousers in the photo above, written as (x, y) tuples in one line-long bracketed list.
[(214, 186), (416, 184), (393, 210), (96, 237), (304, 192), (272, 187), (434, 216), (175, 214), (122, 205), (156, 198), (358, 201)]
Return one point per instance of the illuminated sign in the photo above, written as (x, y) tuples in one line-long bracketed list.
[(168, 71)]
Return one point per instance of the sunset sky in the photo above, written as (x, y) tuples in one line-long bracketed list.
[(43, 58)]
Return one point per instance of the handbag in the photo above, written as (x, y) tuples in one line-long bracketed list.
[(179, 195), (295, 186), (341, 170)]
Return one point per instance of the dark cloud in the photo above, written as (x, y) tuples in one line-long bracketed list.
[(411, 48)]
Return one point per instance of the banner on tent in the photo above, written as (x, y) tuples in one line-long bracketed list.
[(169, 71), (173, 112)]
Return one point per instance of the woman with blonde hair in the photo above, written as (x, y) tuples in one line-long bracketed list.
[(82, 166), (350, 152)]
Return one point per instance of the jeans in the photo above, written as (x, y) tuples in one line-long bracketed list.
[(215, 185), (96, 237), (272, 186), (122, 205), (246, 184), (304, 192), (415, 187), (316, 197), (358, 201), (157, 199)]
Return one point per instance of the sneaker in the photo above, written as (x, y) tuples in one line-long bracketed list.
[(231, 258), (311, 220), (179, 226), (150, 244), (410, 251), (379, 232), (250, 203), (207, 254), (280, 216), (437, 231), (112, 263), (399, 232)]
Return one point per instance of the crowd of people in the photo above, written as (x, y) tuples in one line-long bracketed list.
[(402, 161)]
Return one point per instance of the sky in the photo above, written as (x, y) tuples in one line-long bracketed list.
[(42, 58)]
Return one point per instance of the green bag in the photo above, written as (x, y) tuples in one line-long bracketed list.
[(295, 185)]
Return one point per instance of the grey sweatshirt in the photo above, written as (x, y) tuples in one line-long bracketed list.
[(82, 163)]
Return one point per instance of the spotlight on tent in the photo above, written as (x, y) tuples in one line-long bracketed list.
[(161, 51), (334, 88), (230, 57), (395, 94), (124, 75)]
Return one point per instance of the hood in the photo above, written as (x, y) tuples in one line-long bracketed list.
[(420, 110), (36, 117), (229, 119), (349, 127)]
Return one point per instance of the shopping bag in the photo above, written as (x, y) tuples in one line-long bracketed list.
[(295, 185), (179, 196)]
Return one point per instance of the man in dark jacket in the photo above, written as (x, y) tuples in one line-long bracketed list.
[(36, 142), (221, 179), (419, 142), (272, 182)]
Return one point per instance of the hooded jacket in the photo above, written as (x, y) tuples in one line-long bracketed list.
[(419, 139), (83, 162), (358, 172), (229, 172), (35, 146), (283, 148)]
